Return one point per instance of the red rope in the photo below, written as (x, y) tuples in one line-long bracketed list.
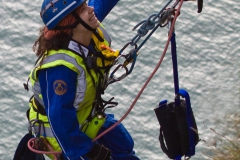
[(149, 78)]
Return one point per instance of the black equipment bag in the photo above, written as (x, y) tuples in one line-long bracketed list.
[(174, 132)]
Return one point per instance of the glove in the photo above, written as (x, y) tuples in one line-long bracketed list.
[(99, 152)]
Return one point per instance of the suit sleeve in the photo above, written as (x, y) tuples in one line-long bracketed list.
[(102, 7), (58, 87)]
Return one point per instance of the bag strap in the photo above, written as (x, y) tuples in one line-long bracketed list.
[(161, 139)]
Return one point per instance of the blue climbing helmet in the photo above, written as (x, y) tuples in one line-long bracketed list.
[(53, 11)]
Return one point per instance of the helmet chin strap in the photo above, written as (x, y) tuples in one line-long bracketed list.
[(79, 20)]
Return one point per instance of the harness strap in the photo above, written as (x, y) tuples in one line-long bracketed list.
[(162, 144), (37, 107), (40, 130)]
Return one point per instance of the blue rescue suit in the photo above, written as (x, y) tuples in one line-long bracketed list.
[(62, 114)]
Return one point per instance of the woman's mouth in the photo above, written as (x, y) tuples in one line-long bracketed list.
[(93, 18)]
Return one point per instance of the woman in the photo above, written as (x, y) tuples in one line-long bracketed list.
[(68, 80)]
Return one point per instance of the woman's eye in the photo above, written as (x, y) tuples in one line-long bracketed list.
[(82, 9)]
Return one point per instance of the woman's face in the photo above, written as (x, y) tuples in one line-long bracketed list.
[(88, 16)]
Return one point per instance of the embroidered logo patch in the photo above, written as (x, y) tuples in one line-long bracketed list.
[(60, 87)]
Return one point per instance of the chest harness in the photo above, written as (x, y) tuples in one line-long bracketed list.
[(99, 59)]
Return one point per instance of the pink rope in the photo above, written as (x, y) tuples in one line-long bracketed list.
[(149, 78), (31, 144)]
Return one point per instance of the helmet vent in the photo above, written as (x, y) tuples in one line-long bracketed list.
[(52, 4), (64, 2)]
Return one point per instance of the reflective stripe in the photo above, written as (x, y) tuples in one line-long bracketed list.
[(70, 5), (63, 58), (105, 35), (37, 94), (48, 131)]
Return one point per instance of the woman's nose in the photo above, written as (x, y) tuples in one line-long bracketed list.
[(91, 9)]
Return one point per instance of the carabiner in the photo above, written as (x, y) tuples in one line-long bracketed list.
[(40, 126), (126, 45), (113, 79)]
